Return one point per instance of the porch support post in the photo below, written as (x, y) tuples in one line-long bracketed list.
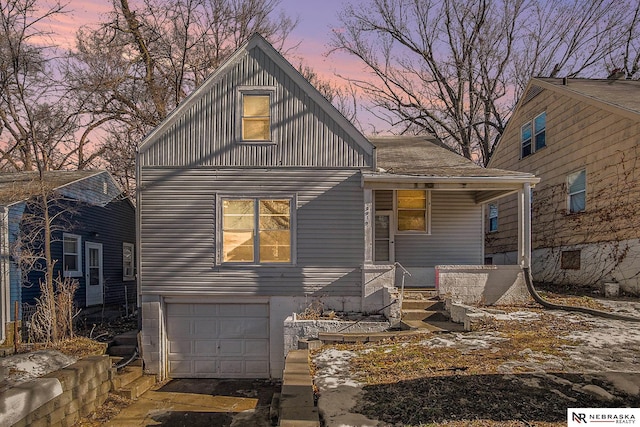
[(368, 226), (524, 225)]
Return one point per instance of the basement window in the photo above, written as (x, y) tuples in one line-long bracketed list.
[(570, 260)]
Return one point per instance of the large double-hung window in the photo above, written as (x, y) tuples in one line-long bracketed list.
[(256, 230)]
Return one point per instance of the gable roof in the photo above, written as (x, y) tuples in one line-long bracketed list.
[(424, 156), (620, 96), (616, 96), (257, 41), (19, 186)]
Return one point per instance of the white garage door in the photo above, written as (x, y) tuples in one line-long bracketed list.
[(218, 340)]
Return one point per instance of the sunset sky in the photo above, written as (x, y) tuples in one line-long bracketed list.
[(313, 30), (313, 33)]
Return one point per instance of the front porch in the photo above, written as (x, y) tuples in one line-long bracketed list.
[(425, 225)]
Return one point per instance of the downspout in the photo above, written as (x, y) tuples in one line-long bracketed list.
[(525, 247), (551, 306)]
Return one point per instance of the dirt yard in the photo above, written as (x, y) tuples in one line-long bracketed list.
[(521, 367)]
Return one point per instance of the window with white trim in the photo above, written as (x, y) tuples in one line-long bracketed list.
[(128, 261), (71, 255), (533, 135), (577, 189), (493, 217), (256, 230), (412, 209), (255, 114)]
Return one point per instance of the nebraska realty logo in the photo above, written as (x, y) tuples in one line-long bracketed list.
[(585, 416)]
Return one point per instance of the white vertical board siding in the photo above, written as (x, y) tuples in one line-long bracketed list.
[(177, 212), (456, 234)]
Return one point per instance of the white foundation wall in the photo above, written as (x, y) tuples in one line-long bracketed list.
[(154, 339), (482, 284), (599, 263)]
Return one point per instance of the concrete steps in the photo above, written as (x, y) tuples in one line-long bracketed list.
[(129, 381), (123, 345), (422, 310), (136, 388)]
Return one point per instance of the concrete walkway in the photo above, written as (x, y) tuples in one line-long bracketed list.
[(201, 402)]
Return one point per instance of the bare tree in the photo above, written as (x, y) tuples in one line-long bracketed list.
[(137, 65), (454, 68), (38, 118), (344, 98)]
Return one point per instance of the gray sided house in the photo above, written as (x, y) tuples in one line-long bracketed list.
[(93, 238), (257, 197)]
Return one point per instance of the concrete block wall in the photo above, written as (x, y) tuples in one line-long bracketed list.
[(482, 284), (59, 398), (296, 329)]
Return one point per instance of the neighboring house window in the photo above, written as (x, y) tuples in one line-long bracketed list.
[(493, 217), (570, 260), (255, 113), (72, 255), (412, 210), (577, 186), (128, 261), (256, 230), (533, 135)]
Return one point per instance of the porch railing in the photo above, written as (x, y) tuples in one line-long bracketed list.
[(405, 272)]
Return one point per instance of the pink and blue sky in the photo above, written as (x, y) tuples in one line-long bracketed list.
[(313, 31)]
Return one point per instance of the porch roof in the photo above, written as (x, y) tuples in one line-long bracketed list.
[(423, 161)]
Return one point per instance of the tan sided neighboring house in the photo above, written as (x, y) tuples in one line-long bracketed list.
[(582, 138)]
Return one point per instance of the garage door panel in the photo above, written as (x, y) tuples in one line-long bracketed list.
[(231, 347), (180, 367), (255, 347), (183, 347), (232, 328), (179, 326), (206, 347), (218, 340), (206, 328), (230, 367), (209, 310), (256, 367), (179, 309), (204, 367), (255, 328)]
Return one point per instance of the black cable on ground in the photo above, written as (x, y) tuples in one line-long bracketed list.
[(552, 306)]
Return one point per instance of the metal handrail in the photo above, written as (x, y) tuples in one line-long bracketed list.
[(404, 273)]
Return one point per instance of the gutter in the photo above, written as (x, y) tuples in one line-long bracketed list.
[(393, 178)]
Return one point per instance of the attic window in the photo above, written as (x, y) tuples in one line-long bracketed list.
[(255, 112)]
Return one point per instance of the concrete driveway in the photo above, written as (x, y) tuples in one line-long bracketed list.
[(202, 402)]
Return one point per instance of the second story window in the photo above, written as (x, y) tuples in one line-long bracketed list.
[(533, 135), (577, 186)]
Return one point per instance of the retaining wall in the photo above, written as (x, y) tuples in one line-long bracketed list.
[(59, 398), (295, 329)]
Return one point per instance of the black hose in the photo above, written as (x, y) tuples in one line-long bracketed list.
[(133, 357), (552, 306)]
